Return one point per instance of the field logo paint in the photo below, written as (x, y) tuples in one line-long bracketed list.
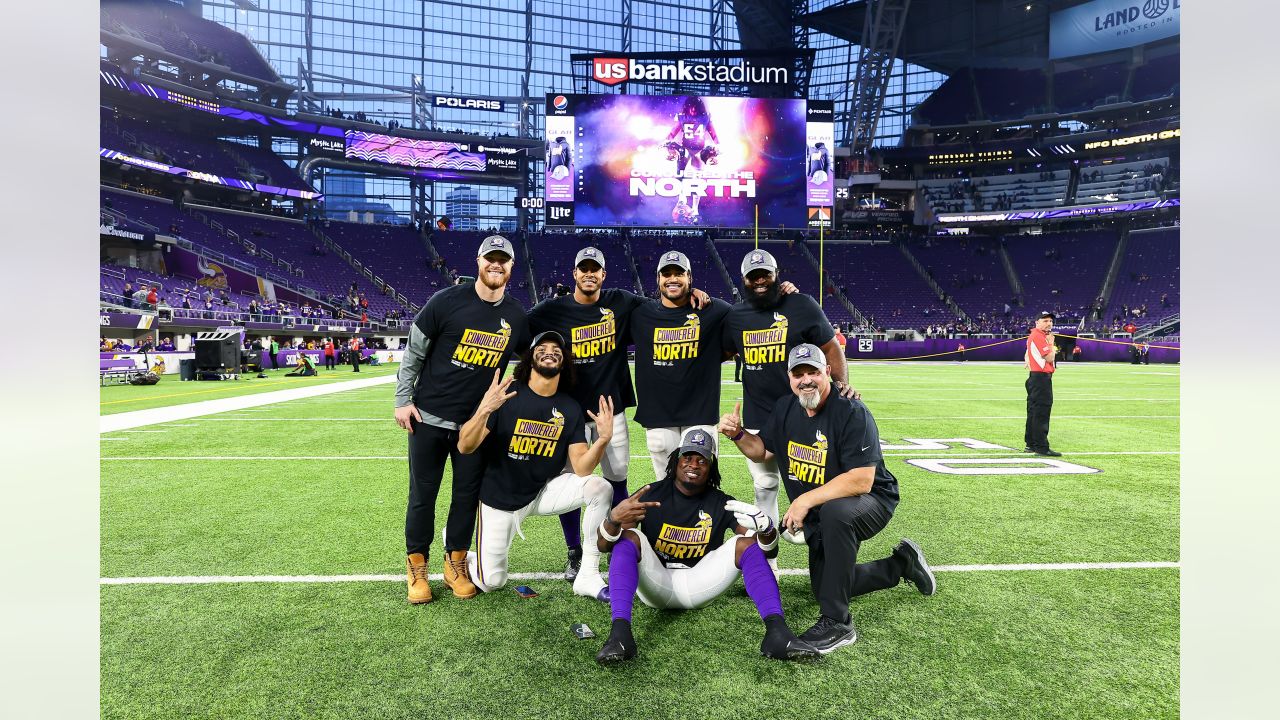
[(942, 444), (1001, 466)]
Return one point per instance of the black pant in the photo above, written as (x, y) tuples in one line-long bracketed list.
[(1039, 406), (329, 364), (275, 363), (429, 447), (737, 368), (355, 361), (834, 571)]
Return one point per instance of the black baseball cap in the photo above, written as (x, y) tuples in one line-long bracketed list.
[(697, 440), (548, 335), (1046, 314)]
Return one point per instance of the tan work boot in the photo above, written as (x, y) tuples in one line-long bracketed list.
[(456, 575), (419, 590)]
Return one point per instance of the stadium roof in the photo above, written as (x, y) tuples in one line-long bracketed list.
[(946, 35)]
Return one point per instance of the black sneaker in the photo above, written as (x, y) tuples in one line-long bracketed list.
[(620, 646), (917, 570), (1049, 453), (1027, 450), (828, 634), (574, 564), (782, 644)]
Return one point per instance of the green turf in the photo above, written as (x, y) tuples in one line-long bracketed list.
[(171, 391), (1097, 643)]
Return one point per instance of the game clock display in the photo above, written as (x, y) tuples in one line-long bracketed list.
[(686, 160)]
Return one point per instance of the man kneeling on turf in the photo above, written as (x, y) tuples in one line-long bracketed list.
[(669, 549), (527, 435)]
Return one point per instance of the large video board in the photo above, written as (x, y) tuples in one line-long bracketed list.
[(682, 160)]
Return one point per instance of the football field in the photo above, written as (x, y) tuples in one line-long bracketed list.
[(253, 561)]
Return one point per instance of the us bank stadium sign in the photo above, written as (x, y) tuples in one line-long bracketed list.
[(617, 69), (1104, 25)]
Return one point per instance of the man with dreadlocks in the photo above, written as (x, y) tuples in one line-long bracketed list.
[(667, 545), (526, 437)]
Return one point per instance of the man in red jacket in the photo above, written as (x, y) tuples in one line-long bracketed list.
[(1039, 359), (329, 362)]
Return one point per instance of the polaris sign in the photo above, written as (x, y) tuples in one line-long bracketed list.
[(465, 103), (617, 70), (1105, 25)]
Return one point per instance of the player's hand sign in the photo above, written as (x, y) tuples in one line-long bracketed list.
[(731, 423), (631, 511), (496, 396)]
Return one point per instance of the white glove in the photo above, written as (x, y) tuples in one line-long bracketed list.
[(795, 538), (750, 516)]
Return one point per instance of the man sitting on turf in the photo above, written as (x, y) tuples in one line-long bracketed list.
[(668, 547), (306, 367), (526, 436)]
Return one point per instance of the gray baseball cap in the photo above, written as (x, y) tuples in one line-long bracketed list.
[(699, 441), (674, 258), (589, 253), (496, 243), (548, 336), (806, 354), (759, 260)]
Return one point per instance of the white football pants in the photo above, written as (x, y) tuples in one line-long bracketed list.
[(685, 588), (495, 529), (765, 477)]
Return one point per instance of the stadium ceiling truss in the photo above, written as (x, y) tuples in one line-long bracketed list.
[(867, 80)]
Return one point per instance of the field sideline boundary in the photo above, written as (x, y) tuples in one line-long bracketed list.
[(154, 416), (245, 579)]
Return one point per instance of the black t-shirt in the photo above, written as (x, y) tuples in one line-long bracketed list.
[(684, 529), (594, 331), (527, 446), (468, 339), (812, 450), (678, 356), (763, 338)]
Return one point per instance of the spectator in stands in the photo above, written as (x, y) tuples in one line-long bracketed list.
[(275, 352), (104, 345), (128, 294)]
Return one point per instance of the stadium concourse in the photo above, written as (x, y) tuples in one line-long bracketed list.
[(275, 212)]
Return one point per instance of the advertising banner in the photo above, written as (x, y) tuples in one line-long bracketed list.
[(1104, 25), (682, 160)]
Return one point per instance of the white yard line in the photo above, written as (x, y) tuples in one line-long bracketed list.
[(140, 418), (993, 454), (235, 579), (389, 420)]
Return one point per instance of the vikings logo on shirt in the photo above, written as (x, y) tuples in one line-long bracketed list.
[(478, 348), (768, 345), (678, 343), (683, 543), (592, 341), (808, 463), (536, 437)]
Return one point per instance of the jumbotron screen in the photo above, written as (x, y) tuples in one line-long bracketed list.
[(684, 160)]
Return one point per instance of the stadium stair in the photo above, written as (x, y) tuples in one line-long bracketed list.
[(933, 284), (837, 294), (724, 271), (1113, 271), (1010, 272)]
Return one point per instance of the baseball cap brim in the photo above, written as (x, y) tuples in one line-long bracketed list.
[(705, 452), (548, 335)]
